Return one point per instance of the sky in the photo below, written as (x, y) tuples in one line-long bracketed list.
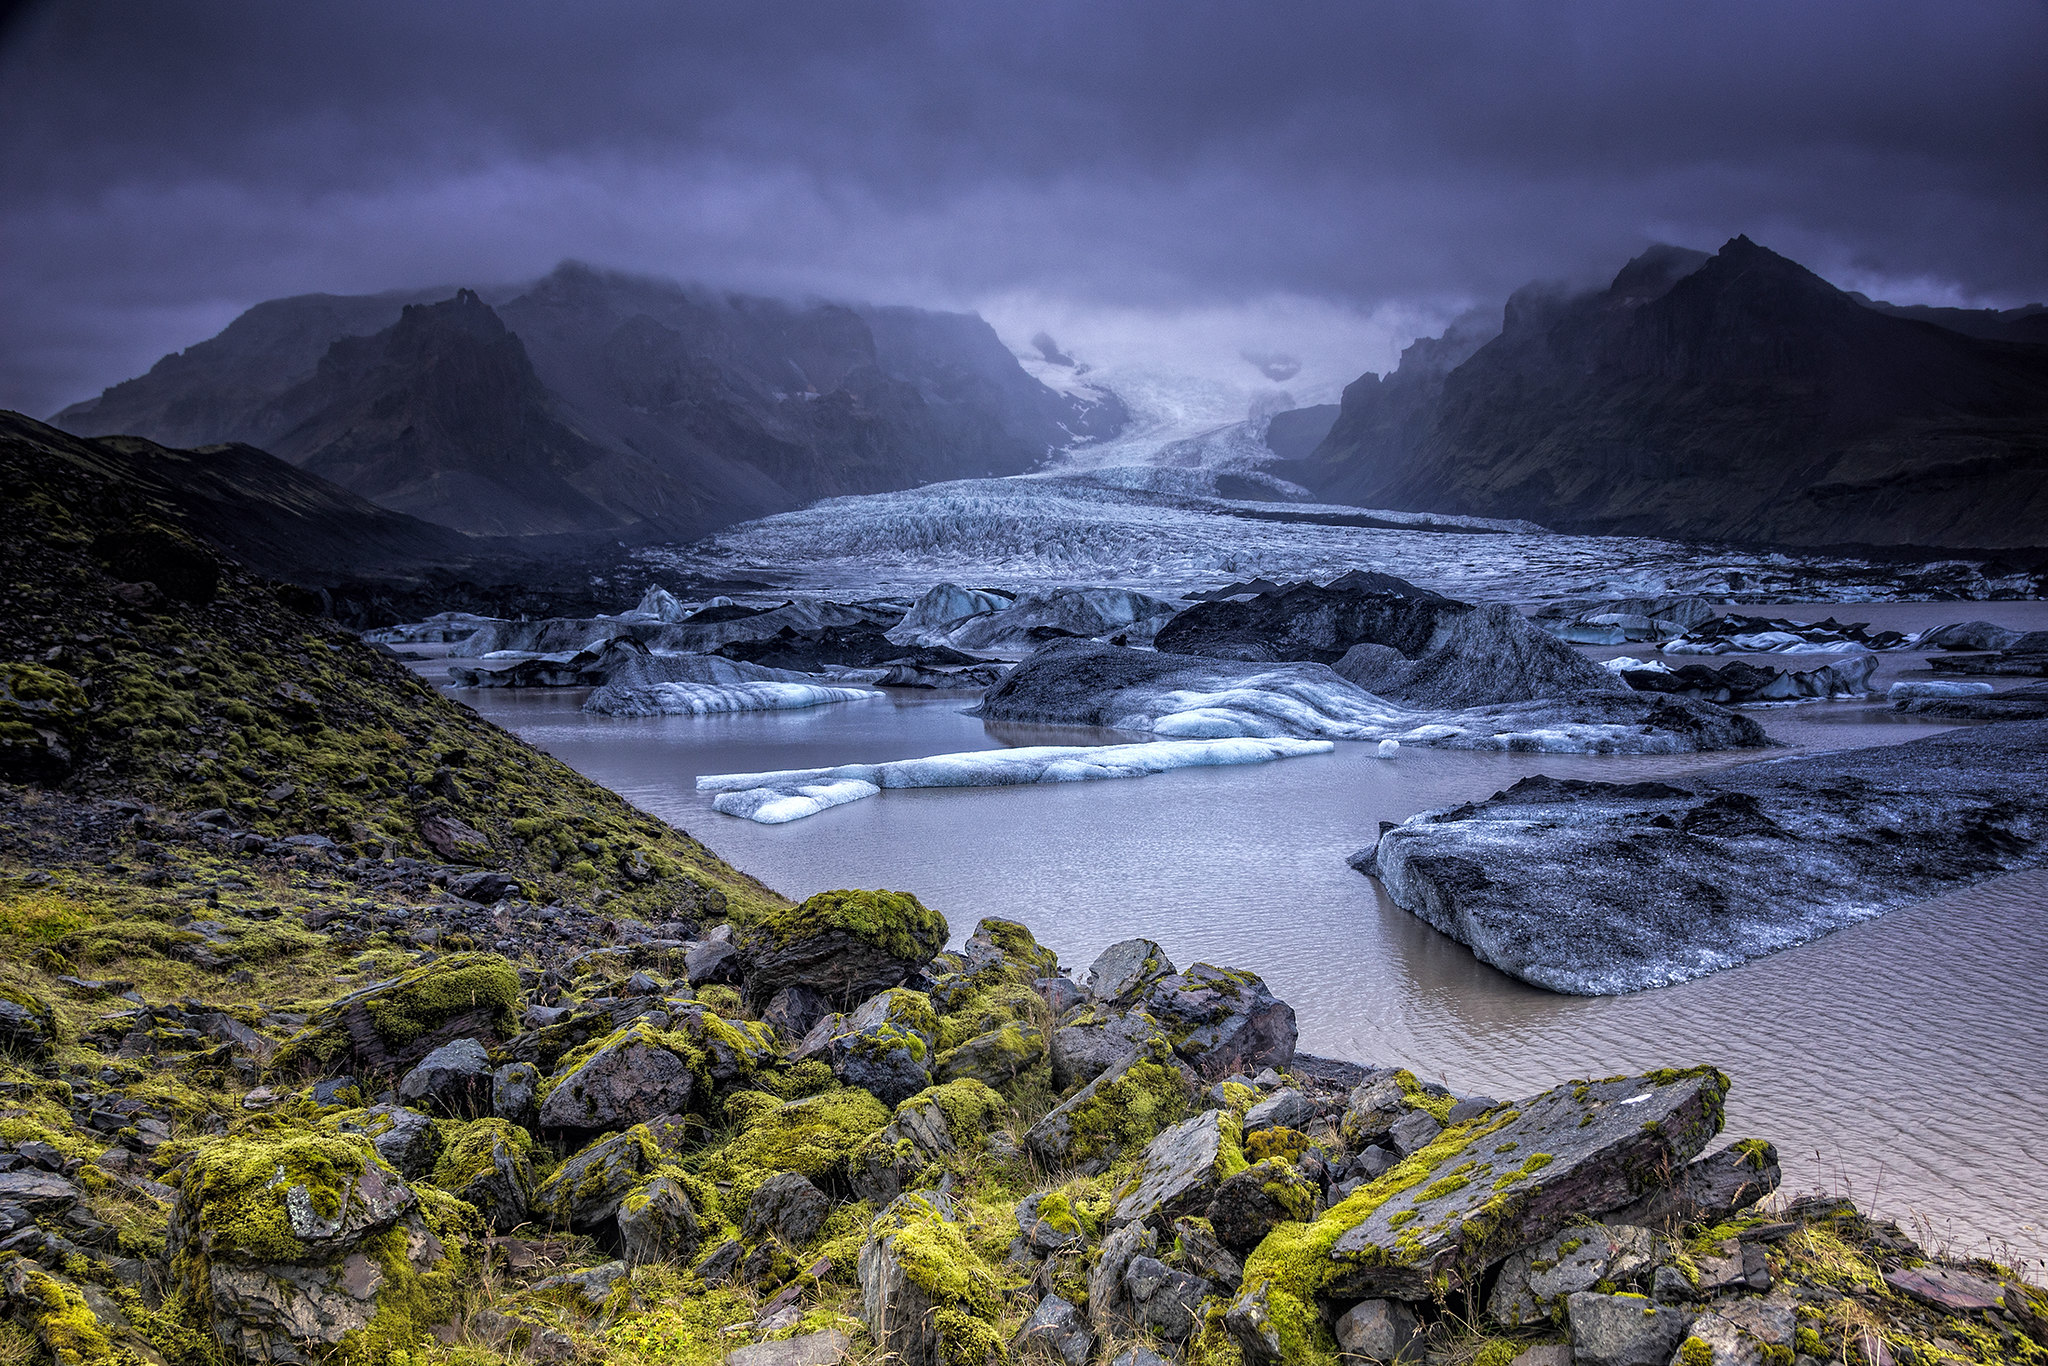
[(1182, 179)]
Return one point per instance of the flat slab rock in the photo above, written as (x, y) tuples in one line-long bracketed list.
[(1526, 1171), (1546, 881)]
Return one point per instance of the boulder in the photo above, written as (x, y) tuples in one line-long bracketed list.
[(486, 887), (583, 1195), (792, 1011), (27, 1028), (1109, 1304), (1094, 1040), (1475, 659), (2029, 703), (632, 1075), (1533, 1283), (1046, 1224), (1749, 1331), (787, 1206), (1123, 970), (1179, 1173), (1624, 1330), (488, 1164), (657, 1223), (927, 1129), (926, 1298), (997, 1058), (515, 1093), (826, 1347), (454, 1079), (1710, 1190), (1261, 1338), (885, 1047), (1385, 1331), (455, 841), (1248, 1204), (403, 1137), (1201, 1250), (289, 1248), (1123, 1108), (1414, 1131), (1222, 1020), (846, 946), (711, 962), (1514, 1178), (1286, 1108), (1165, 1300), (388, 1027), (1055, 1332), (1545, 880), (1010, 945)]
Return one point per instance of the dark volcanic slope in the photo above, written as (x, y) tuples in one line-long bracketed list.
[(599, 402), (1738, 397), (275, 519)]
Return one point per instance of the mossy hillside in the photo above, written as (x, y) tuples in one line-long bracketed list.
[(895, 922), (243, 702)]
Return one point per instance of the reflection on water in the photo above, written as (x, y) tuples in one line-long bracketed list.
[(1898, 1059)]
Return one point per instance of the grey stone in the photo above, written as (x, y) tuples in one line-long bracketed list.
[(592, 1285), (1373, 1108), (788, 1206), (1414, 1131), (627, 1081), (405, 1138), (1124, 969), (486, 886), (886, 1046), (1739, 1331), (657, 1223), (1055, 1332), (501, 1188), (1053, 1138), (38, 1192), (1373, 1160), (1046, 1236), (1471, 1107), (907, 1319), (515, 1088), (1579, 1258), (996, 1058), (1165, 1300), (454, 1079), (1710, 1190), (1139, 1356), (794, 1010), (711, 962), (1250, 1203), (1604, 1141), (1102, 1038), (1289, 1109), (1178, 1174), (1059, 994), (1249, 1321), (584, 1193), (1624, 1330), (1222, 1020), (1668, 1285), (825, 1348), (1380, 1330), (1109, 1306), (1544, 881), (1545, 1354), (1201, 1250), (723, 1263)]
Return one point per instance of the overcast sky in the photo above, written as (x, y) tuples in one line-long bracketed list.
[(1325, 179)]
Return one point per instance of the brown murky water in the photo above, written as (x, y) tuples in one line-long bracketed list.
[(1900, 1061)]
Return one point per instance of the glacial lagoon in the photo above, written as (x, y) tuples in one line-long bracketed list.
[(1897, 1061)]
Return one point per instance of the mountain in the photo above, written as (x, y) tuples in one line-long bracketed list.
[(273, 519), (1736, 396), (1293, 434), (598, 402)]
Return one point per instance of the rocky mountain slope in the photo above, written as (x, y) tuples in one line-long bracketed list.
[(599, 402), (1737, 396)]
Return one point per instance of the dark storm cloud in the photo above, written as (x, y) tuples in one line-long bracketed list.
[(169, 164)]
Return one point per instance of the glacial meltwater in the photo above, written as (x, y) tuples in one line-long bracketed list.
[(1901, 1060)]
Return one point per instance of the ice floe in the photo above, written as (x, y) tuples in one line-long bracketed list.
[(775, 798), (708, 699)]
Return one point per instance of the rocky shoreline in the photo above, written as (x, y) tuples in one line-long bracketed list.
[(337, 1025)]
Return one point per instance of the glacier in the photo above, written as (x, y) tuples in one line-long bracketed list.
[(778, 797)]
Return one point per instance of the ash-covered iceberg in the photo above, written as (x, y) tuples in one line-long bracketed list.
[(775, 798), (1088, 684), (708, 699)]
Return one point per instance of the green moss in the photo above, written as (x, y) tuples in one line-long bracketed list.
[(815, 1137), (895, 922), (1126, 1113), (1532, 1164), (244, 1189), (1754, 1152), (63, 1321), (1695, 1352), (1237, 1096), (415, 1004), (471, 1151), (937, 1258)]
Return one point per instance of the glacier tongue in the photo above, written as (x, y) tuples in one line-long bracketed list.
[(792, 794)]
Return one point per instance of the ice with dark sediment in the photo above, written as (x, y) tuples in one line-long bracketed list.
[(708, 699), (1546, 880), (1741, 683), (942, 605), (1086, 683), (1024, 623), (776, 798), (701, 632), (624, 661)]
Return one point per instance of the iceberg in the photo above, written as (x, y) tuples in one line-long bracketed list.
[(792, 794), (710, 699)]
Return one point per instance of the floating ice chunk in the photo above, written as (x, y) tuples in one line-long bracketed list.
[(1389, 748), (774, 798), (708, 699), (1942, 687), (770, 806), (1624, 664)]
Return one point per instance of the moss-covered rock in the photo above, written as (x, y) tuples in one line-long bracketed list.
[(845, 945), (816, 1136), (296, 1246), (27, 1028), (886, 1047), (392, 1025), (1120, 1110), (926, 1133), (927, 1297), (634, 1074), (488, 1164), (585, 1192)]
